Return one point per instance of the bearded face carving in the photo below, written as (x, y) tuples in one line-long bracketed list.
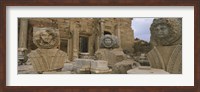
[(45, 38), (166, 32), (166, 36), (47, 57)]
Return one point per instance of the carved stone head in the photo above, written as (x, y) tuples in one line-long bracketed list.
[(45, 38), (166, 31), (109, 41)]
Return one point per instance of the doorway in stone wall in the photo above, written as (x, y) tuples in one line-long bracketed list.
[(64, 44), (83, 44), (83, 47)]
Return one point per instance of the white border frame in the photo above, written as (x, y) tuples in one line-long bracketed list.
[(185, 79)]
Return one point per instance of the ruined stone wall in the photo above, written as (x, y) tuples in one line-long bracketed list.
[(93, 28), (126, 34), (123, 25)]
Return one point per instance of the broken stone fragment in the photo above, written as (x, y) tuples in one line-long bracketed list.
[(123, 66), (100, 67), (82, 66)]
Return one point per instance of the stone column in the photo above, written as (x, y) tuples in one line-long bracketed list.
[(102, 26), (70, 49), (101, 32), (23, 33), (22, 48), (76, 28), (91, 44), (118, 32)]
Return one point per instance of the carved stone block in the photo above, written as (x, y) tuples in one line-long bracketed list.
[(100, 67), (44, 60), (109, 41), (82, 66), (123, 66), (112, 56)]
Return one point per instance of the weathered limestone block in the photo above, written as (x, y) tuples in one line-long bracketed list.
[(167, 40), (26, 69), (123, 66), (68, 66), (144, 63), (82, 66), (86, 56), (22, 56), (168, 58), (47, 60), (111, 55), (100, 67)]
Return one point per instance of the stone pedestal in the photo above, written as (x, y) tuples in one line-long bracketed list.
[(113, 56), (100, 67), (82, 66), (22, 55)]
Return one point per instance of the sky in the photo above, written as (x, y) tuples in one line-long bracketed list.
[(141, 27)]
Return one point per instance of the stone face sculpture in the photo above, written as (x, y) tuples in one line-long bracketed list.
[(166, 36), (109, 41), (45, 38), (166, 32), (46, 57)]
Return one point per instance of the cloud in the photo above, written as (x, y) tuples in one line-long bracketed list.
[(141, 27)]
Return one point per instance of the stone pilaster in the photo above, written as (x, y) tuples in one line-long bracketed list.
[(102, 26), (76, 28), (22, 49), (70, 49), (118, 32), (23, 33), (91, 44)]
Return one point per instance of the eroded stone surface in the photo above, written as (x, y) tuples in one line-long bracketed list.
[(26, 69), (100, 67), (166, 31), (111, 55), (70, 29), (123, 66), (46, 38), (109, 41), (82, 66)]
